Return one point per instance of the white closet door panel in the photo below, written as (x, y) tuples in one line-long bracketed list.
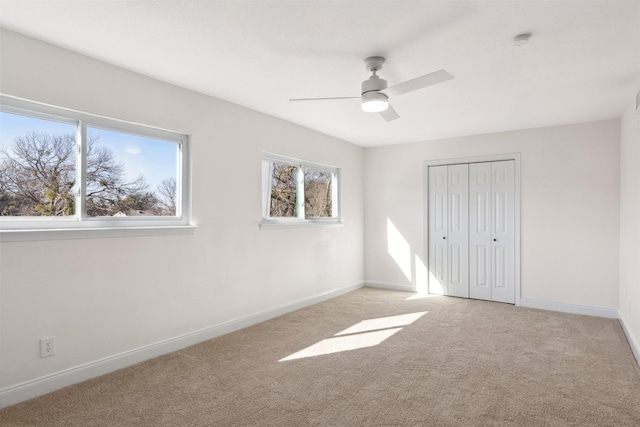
[(458, 230), (438, 246), (503, 231), (480, 226)]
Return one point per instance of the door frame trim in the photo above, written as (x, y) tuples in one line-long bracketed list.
[(476, 159)]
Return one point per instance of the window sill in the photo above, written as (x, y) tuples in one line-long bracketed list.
[(92, 233), (290, 225)]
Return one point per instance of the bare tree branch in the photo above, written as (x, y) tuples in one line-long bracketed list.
[(38, 174)]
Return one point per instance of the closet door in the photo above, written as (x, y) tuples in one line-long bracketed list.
[(492, 231), (503, 231), (448, 230), (480, 234), (458, 230), (438, 265)]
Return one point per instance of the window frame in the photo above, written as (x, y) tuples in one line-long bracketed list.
[(300, 219), (13, 226)]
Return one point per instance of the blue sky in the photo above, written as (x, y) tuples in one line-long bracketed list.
[(153, 158), (14, 125)]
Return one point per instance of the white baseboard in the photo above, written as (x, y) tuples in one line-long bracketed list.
[(635, 346), (389, 286), (611, 313), (43, 385)]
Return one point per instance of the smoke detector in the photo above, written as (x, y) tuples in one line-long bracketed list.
[(521, 39)]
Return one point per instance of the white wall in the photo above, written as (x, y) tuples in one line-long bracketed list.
[(629, 307), (103, 297), (569, 208)]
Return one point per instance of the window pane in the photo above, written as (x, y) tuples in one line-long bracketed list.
[(317, 194), (37, 166), (130, 175), (283, 190)]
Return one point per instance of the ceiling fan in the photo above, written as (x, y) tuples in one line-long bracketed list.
[(375, 93)]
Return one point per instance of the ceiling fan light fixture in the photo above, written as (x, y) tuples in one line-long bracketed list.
[(374, 102)]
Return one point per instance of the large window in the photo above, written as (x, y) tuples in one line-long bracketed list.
[(298, 191), (63, 169)]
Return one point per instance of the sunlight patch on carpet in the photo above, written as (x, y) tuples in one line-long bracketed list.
[(364, 334), (340, 344), (382, 323)]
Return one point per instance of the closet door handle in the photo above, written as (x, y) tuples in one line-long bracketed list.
[(444, 238), (495, 240)]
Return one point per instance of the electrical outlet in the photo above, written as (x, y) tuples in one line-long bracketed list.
[(47, 347)]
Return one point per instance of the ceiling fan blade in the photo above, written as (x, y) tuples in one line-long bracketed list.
[(419, 83), (389, 114), (324, 99)]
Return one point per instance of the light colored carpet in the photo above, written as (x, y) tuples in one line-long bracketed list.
[(433, 361)]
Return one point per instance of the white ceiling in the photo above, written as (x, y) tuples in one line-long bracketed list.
[(582, 63)]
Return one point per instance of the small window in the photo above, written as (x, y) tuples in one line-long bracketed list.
[(296, 191), (63, 169)]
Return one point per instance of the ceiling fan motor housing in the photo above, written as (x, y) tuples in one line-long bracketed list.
[(373, 84), (373, 100)]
